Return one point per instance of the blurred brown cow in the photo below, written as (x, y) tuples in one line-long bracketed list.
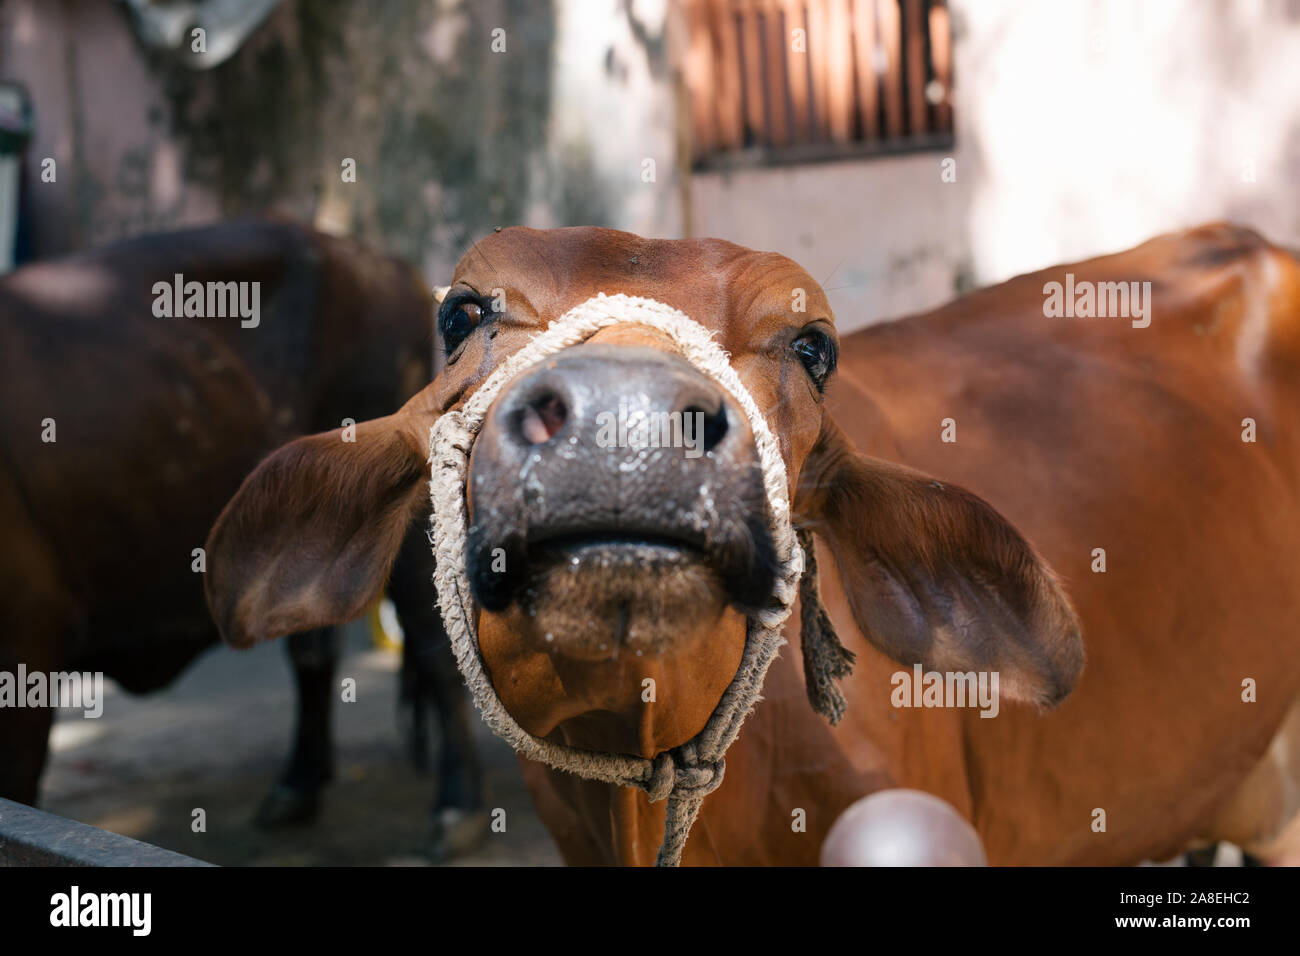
[(124, 428)]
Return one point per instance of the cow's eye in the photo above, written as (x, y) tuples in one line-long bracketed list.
[(817, 352), (456, 320)]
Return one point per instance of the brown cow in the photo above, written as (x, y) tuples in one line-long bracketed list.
[(1085, 433), (123, 431)]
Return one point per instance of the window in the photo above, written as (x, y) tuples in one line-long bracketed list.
[(797, 80)]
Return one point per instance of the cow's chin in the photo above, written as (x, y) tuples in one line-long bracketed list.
[(601, 600)]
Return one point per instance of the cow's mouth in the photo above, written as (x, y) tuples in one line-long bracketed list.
[(606, 594), (576, 547), (594, 593)]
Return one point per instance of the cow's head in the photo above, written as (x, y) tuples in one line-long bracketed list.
[(598, 564)]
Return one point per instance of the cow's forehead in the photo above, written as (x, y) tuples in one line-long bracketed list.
[(705, 278)]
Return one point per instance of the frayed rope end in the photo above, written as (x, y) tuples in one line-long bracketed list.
[(825, 659)]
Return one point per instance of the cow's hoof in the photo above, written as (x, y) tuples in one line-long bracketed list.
[(287, 806), (455, 833)]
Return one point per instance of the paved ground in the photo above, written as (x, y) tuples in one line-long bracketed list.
[(216, 739)]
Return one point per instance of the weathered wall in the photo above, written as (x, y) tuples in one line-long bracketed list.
[(412, 92), (102, 117), (450, 138), (435, 121)]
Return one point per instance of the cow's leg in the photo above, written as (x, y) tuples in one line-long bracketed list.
[(1283, 848), (1263, 816), (460, 820), (296, 798), (415, 705), (37, 618), (29, 642), (432, 681), (24, 741)]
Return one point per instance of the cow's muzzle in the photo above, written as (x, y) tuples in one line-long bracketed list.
[(612, 489)]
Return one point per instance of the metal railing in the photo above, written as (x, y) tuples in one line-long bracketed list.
[(31, 837)]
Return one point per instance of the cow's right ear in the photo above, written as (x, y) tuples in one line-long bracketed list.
[(312, 533), (935, 576)]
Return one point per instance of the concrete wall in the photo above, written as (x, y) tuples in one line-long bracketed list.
[(1083, 126), (102, 116), (883, 236)]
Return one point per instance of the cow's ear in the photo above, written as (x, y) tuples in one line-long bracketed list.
[(935, 576), (311, 535)]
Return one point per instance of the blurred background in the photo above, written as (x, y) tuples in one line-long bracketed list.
[(904, 151), (1074, 127)]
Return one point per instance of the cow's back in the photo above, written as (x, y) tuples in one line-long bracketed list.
[(1089, 433)]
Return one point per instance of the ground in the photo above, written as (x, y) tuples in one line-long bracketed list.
[(216, 740)]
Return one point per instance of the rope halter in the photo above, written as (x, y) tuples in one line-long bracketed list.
[(685, 774)]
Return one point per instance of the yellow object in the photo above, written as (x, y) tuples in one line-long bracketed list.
[(385, 630)]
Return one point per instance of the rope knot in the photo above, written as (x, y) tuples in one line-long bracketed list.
[(662, 777), (667, 777)]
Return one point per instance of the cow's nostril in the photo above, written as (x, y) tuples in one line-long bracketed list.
[(715, 424), (542, 417)]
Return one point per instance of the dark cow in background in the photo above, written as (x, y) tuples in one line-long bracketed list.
[(156, 420)]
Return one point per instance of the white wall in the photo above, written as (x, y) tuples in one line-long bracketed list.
[(1090, 125), (612, 110), (883, 236)]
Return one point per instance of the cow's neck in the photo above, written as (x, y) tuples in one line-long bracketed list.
[(786, 759)]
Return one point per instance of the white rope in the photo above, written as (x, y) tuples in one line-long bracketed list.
[(688, 773)]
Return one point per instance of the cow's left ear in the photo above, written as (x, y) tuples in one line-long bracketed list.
[(934, 575), (310, 536)]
